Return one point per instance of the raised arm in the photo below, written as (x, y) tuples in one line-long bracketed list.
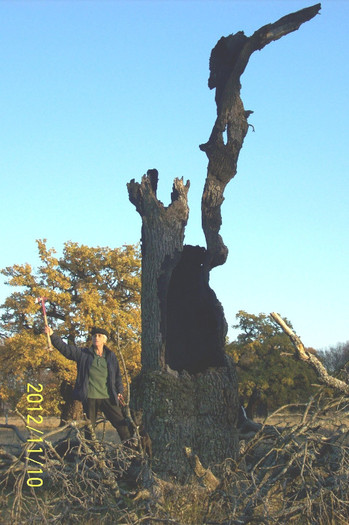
[(71, 352)]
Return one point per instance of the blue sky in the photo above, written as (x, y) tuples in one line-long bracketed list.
[(94, 93)]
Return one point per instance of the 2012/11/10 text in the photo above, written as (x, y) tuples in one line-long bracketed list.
[(34, 400)]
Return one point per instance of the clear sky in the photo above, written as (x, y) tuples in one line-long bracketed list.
[(94, 93)]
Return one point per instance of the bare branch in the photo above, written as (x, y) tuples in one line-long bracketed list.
[(228, 61), (314, 362)]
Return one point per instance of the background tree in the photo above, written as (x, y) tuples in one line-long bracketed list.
[(85, 287), (183, 323), (268, 374), (335, 357)]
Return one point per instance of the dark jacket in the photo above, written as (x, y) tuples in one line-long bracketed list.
[(84, 358)]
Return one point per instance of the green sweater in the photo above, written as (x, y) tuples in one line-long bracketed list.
[(97, 383)]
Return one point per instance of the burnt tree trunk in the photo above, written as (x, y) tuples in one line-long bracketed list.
[(187, 388)]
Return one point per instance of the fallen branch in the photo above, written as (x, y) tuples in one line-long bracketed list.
[(298, 475), (305, 355), (18, 433)]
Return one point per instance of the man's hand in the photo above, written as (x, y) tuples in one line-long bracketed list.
[(48, 330), (121, 400)]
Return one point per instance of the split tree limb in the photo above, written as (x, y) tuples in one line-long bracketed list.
[(302, 353), (228, 61)]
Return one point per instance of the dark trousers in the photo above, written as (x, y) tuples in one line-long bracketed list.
[(112, 413)]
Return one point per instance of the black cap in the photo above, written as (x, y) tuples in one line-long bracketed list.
[(95, 330)]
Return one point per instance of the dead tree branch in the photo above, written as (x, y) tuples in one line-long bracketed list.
[(313, 361), (228, 61)]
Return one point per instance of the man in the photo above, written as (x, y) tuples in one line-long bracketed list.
[(98, 384)]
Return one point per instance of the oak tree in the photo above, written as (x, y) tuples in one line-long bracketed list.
[(268, 374), (335, 357), (84, 287), (187, 387)]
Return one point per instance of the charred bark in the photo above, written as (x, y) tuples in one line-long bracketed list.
[(228, 61), (183, 323)]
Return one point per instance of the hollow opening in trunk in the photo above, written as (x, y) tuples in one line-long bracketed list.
[(195, 323)]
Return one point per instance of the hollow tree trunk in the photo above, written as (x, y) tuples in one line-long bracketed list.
[(187, 388), (183, 333)]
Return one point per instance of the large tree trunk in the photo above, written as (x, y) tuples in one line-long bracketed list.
[(187, 388), (182, 410)]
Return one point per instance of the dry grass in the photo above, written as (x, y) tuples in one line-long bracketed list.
[(293, 471)]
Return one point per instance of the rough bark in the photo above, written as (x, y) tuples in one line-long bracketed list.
[(183, 323), (162, 245), (194, 411), (183, 328)]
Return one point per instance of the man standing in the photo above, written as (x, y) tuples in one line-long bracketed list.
[(98, 384)]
